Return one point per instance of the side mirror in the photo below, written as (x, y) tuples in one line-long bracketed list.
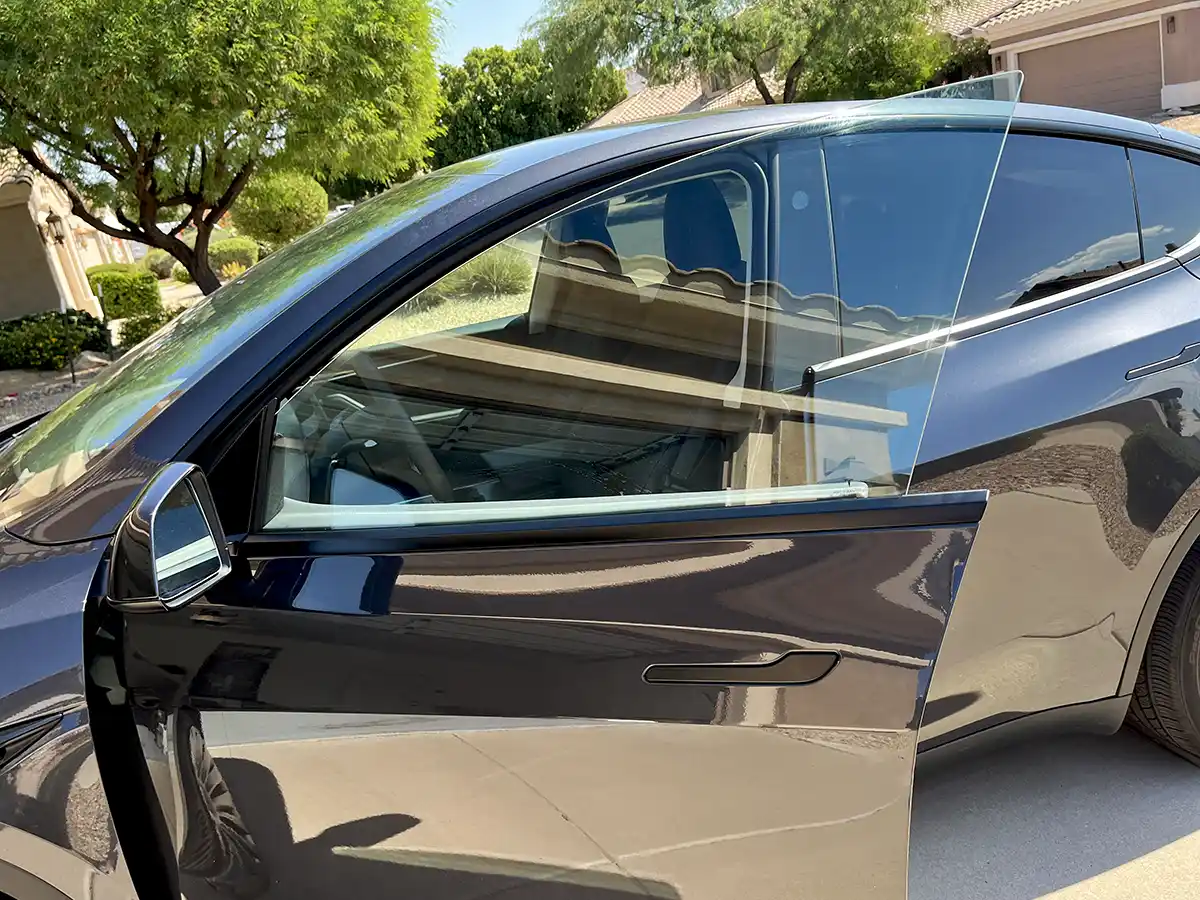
[(170, 549)]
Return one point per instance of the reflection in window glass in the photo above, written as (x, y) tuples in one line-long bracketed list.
[(806, 292), (1168, 194), (608, 359), (1060, 215), (905, 205)]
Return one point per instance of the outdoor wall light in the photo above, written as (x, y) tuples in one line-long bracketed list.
[(54, 228)]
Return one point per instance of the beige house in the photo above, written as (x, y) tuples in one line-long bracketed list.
[(44, 250), (1119, 56)]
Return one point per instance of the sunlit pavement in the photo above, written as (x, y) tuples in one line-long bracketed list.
[(1080, 818), (1084, 817)]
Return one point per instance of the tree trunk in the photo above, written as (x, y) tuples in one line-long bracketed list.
[(206, 279)]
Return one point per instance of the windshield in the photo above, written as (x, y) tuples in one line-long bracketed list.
[(59, 448)]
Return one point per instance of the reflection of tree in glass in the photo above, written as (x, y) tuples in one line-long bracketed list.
[(103, 412)]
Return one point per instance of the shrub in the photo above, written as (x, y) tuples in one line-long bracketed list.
[(496, 272), (124, 289), (232, 270), (180, 273), (239, 250), (138, 328), (48, 341), (159, 263), (94, 334), (279, 207)]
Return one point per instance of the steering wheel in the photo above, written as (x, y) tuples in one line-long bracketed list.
[(387, 405)]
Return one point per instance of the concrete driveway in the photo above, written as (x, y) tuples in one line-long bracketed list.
[(1072, 818), (1081, 818)]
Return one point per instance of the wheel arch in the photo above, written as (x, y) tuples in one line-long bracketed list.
[(1188, 538)]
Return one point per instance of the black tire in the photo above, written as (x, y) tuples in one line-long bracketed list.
[(217, 845), (1166, 697)]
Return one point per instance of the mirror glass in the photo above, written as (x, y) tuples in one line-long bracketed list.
[(185, 551)]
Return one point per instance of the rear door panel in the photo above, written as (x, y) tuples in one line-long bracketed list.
[(478, 722)]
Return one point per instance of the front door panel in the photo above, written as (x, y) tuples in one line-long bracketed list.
[(461, 723)]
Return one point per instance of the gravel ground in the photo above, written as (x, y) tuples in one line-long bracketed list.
[(1189, 123), (24, 394)]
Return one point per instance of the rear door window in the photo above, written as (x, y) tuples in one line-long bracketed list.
[(1061, 215), (1168, 193)]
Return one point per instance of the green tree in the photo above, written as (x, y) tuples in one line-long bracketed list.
[(792, 49), (500, 97), (144, 105), (279, 207)]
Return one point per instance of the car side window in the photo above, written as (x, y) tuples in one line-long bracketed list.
[(1061, 214), (1168, 195), (609, 358)]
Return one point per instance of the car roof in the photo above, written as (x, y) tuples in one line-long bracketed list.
[(669, 129)]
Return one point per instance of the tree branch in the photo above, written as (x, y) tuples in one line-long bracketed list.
[(126, 144), (183, 223), (763, 90), (78, 205), (231, 192), (90, 153), (789, 82)]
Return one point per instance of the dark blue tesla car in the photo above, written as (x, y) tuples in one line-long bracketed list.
[(587, 519)]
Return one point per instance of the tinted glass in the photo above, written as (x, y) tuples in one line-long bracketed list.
[(1061, 215), (1168, 194), (905, 209)]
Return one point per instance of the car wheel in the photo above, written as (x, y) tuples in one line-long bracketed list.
[(217, 845), (1166, 696)]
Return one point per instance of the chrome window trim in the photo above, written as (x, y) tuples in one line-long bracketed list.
[(1188, 252), (1001, 318)]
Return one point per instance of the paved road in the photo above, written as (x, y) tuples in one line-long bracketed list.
[(1097, 818)]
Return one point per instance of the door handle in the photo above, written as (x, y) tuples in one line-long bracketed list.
[(1188, 354), (795, 667)]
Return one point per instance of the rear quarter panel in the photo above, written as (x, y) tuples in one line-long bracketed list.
[(1093, 481)]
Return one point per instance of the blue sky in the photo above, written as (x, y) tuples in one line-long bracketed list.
[(482, 23)]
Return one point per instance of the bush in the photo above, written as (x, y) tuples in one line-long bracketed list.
[(94, 334), (159, 263), (279, 207), (241, 250), (124, 289), (232, 270), (180, 273), (137, 329), (496, 272), (48, 341)]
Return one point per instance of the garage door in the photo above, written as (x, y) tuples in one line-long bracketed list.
[(1118, 72)]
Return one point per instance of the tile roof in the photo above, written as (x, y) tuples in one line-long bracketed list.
[(1027, 8), (960, 16), (686, 96)]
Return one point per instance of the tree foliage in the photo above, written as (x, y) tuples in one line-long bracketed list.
[(141, 106), (792, 49), (279, 207), (500, 97)]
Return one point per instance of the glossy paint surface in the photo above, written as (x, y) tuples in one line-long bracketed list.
[(462, 723), (1093, 477), (54, 816)]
